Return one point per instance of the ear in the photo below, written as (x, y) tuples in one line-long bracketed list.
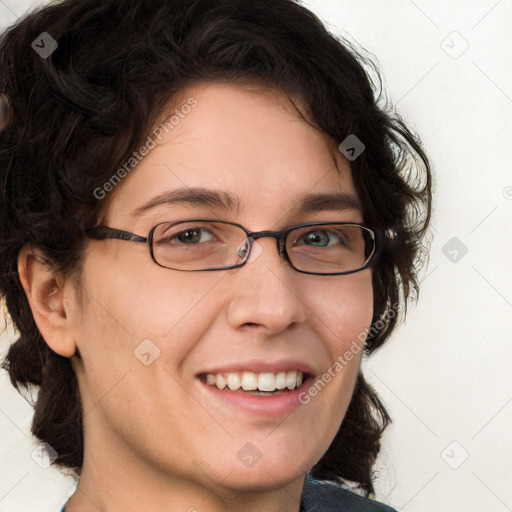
[(45, 294)]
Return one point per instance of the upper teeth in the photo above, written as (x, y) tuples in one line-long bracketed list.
[(250, 381)]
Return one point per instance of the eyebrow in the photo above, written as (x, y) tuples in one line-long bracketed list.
[(227, 202)]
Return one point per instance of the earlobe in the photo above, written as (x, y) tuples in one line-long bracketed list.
[(45, 294)]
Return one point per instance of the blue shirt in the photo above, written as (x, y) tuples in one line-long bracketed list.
[(328, 497)]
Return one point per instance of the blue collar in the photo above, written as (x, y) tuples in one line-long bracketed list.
[(319, 496)]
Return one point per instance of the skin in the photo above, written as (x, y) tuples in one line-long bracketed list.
[(154, 440)]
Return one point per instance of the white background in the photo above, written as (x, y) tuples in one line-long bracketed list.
[(444, 376)]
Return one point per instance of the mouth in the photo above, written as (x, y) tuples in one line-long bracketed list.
[(257, 388), (254, 383)]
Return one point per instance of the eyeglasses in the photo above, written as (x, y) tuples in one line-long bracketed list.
[(320, 248)]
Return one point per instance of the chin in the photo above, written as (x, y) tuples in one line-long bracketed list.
[(272, 470), (265, 478)]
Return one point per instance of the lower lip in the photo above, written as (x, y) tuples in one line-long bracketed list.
[(270, 406)]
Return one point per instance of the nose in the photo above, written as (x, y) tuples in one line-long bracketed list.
[(265, 291)]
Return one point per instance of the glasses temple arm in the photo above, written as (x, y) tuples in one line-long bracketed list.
[(103, 232)]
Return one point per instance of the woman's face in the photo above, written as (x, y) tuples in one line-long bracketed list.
[(147, 334)]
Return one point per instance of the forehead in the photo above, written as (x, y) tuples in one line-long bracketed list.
[(251, 143)]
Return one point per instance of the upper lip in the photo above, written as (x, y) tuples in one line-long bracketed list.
[(257, 366)]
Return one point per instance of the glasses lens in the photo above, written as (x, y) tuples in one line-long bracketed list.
[(330, 248), (198, 245)]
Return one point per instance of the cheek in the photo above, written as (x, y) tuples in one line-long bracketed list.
[(143, 300), (127, 315), (342, 315), (342, 310)]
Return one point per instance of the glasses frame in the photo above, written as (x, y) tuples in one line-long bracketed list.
[(105, 232)]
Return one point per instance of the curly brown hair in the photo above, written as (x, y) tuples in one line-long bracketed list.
[(74, 117)]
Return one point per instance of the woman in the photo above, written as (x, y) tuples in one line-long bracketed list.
[(186, 361)]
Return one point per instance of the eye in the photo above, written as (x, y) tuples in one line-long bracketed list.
[(323, 238), (194, 235)]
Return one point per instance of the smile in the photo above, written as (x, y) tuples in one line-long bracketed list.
[(266, 383)]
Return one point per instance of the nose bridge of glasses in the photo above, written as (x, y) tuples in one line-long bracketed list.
[(279, 236)]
